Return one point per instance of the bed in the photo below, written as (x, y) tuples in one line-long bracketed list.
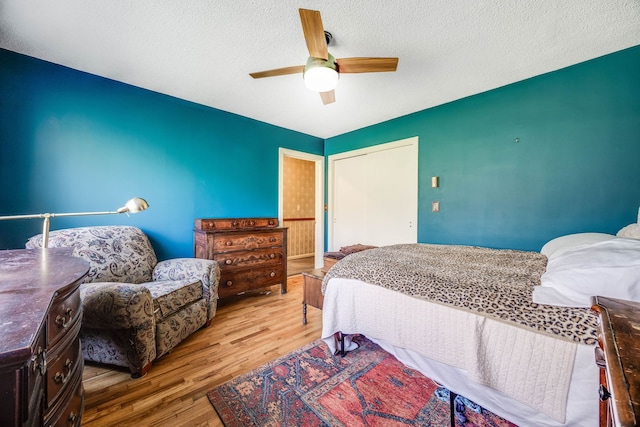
[(467, 318)]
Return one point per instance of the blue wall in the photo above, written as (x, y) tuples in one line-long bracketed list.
[(576, 167), (74, 142)]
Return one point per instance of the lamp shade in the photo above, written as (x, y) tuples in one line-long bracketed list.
[(320, 75), (134, 205)]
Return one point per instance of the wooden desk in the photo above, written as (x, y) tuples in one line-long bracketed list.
[(40, 357), (619, 359), (312, 291)]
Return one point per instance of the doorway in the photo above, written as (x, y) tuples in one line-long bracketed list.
[(303, 211)]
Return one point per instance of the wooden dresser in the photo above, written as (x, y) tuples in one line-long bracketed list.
[(251, 252), (618, 357), (40, 356)]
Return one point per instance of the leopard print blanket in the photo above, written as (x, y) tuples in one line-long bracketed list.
[(494, 283)]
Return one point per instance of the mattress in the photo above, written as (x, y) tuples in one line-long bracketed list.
[(528, 378)]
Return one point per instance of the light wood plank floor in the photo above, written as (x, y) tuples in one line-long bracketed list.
[(246, 333), (298, 265)]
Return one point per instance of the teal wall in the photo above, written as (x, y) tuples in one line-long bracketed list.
[(71, 141), (575, 169), (74, 142)]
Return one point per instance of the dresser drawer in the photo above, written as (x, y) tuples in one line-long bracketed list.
[(64, 313), (62, 370), (210, 224), (69, 412), (246, 241), (233, 283), (256, 258)]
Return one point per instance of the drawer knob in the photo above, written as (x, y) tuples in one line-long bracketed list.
[(228, 243), (272, 274), (228, 261), (63, 320), (272, 256), (271, 222), (235, 223), (229, 282), (73, 418), (61, 378), (273, 239), (604, 393)]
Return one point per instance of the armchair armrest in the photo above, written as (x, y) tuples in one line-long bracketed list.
[(205, 270), (116, 306)]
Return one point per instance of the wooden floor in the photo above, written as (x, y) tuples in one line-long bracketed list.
[(245, 334), (298, 265)]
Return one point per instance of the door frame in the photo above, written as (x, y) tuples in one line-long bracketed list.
[(411, 141), (319, 197)]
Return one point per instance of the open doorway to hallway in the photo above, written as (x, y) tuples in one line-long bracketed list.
[(301, 209)]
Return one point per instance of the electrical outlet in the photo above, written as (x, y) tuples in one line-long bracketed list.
[(435, 206)]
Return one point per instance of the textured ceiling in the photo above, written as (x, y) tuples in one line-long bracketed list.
[(204, 50)]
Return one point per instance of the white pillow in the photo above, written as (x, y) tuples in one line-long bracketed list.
[(631, 231), (609, 268), (570, 242)]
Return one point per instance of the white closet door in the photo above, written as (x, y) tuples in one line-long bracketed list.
[(350, 180), (392, 193), (375, 197)]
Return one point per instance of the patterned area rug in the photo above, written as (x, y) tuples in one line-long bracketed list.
[(367, 387)]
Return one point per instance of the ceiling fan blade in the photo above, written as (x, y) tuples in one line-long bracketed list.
[(328, 97), (278, 72), (314, 33), (366, 65)]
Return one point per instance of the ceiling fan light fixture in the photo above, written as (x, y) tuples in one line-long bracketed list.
[(320, 75)]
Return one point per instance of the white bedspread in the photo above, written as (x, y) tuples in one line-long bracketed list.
[(530, 368)]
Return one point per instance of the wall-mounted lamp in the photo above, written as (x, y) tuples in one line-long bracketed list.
[(435, 182), (134, 205)]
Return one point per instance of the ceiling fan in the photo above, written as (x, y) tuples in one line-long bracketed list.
[(322, 70)]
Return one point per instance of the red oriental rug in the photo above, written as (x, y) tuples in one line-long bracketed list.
[(367, 387)]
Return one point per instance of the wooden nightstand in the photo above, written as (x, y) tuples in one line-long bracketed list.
[(312, 291), (617, 357)]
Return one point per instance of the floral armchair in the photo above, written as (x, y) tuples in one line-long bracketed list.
[(136, 309)]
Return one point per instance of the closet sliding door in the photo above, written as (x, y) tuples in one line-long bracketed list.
[(350, 189), (374, 196)]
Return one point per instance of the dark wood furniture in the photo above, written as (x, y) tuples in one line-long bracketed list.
[(619, 359), (312, 291), (251, 252), (40, 357)]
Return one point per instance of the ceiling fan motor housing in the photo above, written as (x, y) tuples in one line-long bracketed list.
[(328, 37), (319, 62)]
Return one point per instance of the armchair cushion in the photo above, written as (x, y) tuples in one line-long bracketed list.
[(170, 296), (207, 271)]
